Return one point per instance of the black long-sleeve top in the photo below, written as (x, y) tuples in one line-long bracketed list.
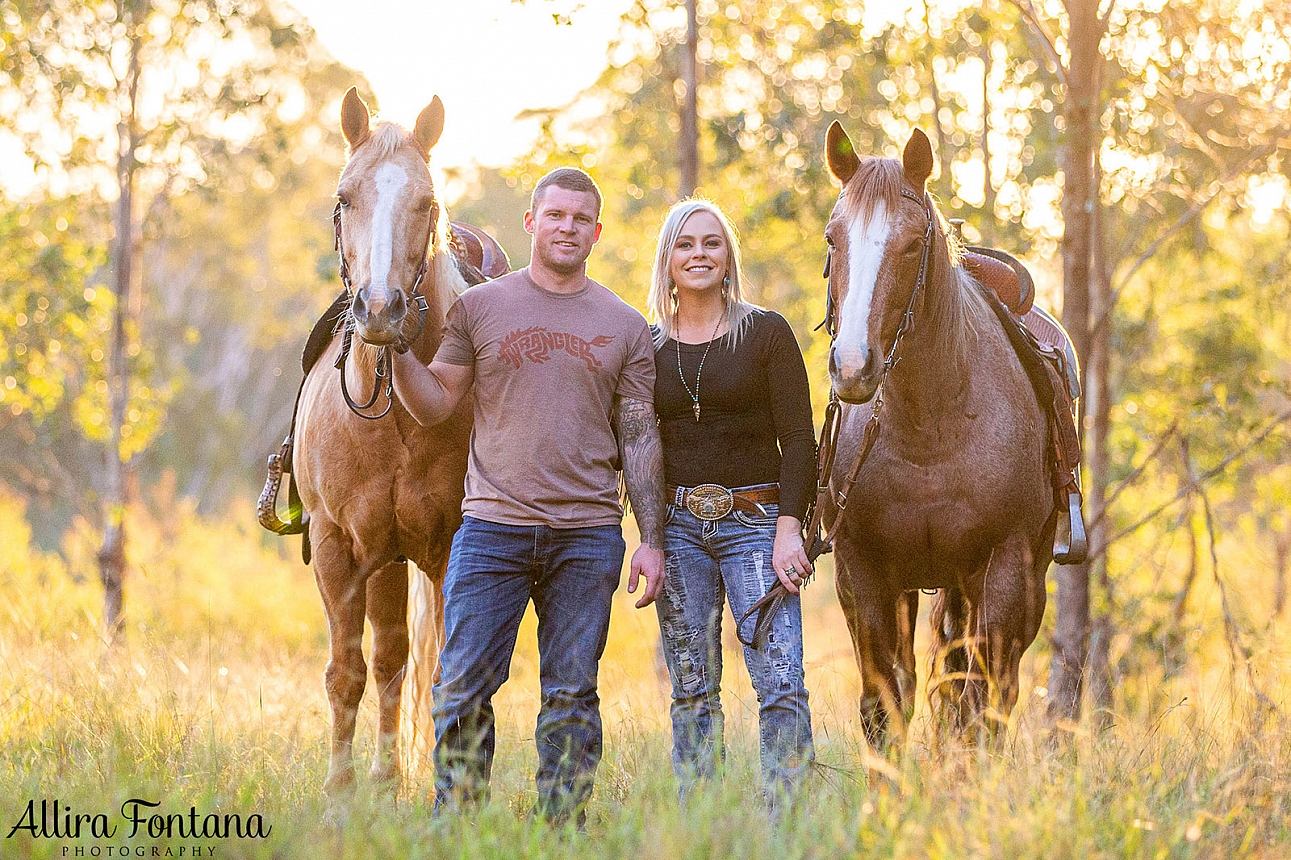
[(755, 413)]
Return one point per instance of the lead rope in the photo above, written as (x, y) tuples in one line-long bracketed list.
[(765, 608)]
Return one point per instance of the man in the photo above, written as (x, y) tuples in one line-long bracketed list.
[(564, 391)]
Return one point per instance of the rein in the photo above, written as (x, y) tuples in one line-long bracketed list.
[(384, 367), (765, 608)]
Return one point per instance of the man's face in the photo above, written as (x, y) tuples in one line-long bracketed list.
[(564, 229)]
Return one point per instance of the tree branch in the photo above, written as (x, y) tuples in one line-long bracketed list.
[(1205, 476), (1238, 652), (1134, 476), (1027, 8), (1184, 220)]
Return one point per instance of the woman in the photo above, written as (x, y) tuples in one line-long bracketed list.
[(735, 418)]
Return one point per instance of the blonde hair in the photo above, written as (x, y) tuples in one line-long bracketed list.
[(662, 301)]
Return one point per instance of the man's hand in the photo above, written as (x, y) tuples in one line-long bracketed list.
[(648, 562)]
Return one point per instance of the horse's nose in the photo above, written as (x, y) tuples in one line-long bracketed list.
[(873, 364), (359, 307), (373, 310), (853, 383), (397, 306)]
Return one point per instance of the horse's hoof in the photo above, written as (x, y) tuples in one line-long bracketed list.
[(386, 780), (337, 815)]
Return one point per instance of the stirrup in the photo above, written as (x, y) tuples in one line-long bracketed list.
[(1070, 545)]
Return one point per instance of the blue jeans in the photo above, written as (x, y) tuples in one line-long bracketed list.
[(706, 560), (494, 570)]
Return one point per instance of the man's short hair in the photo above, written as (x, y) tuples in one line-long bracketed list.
[(570, 179)]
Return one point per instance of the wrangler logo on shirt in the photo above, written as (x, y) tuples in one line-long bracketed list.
[(537, 344)]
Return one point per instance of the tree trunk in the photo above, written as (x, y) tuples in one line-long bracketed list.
[(944, 156), (688, 141), (1281, 549), (1080, 197), (988, 184), (112, 555), (1099, 408)]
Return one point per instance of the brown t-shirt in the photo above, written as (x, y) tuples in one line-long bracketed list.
[(547, 368)]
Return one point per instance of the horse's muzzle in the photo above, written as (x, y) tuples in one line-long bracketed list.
[(853, 381), (379, 320)]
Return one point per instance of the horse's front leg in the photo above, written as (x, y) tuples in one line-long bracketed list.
[(871, 616), (387, 609), (1012, 607), (907, 678), (343, 592)]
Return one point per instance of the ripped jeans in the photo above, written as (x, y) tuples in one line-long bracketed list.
[(706, 560)]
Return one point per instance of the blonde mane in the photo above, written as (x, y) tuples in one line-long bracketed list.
[(386, 139)]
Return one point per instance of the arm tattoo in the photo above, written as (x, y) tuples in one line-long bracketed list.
[(642, 456)]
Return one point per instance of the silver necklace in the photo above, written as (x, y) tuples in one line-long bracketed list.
[(694, 395)]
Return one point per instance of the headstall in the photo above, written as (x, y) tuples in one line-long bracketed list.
[(384, 370)]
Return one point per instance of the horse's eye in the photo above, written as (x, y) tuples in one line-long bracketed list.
[(915, 247), (343, 199), (425, 204), (829, 240)]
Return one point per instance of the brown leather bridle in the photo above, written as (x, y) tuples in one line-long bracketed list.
[(384, 367)]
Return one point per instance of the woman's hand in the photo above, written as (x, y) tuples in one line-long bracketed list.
[(788, 555)]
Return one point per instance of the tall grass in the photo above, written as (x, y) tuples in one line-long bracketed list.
[(216, 702)]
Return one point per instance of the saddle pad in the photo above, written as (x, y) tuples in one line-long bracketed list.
[(1046, 329)]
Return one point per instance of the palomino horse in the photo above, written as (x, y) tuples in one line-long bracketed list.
[(378, 492), (955, 492)]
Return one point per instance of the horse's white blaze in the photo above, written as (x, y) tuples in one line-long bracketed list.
[(390, 181), (865, 244)]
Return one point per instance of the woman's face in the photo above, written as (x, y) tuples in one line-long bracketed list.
[(700, 254)]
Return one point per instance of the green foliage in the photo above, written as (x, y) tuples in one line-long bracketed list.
[(236, 155), (51, 313), (1193, 159)]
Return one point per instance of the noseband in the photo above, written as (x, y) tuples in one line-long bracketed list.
[(384, 370)]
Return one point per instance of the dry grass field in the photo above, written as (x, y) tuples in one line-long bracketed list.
[(215, 707)]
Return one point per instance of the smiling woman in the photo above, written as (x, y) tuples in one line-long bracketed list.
[(734, 412)]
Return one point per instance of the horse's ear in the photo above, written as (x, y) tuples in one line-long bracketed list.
[(917, 159), (430, 124), (840, 153), (354, 118)]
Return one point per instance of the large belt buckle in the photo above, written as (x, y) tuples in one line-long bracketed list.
[(710, 501)]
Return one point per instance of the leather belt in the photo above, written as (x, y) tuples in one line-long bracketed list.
[(713, 501)]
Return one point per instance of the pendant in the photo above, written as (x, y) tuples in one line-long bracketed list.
[(695, 408)]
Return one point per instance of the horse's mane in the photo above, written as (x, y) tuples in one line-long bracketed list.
[(958, 311), (386, 138)]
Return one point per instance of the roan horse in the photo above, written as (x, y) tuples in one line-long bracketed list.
[(378, 492), (955, 492)]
